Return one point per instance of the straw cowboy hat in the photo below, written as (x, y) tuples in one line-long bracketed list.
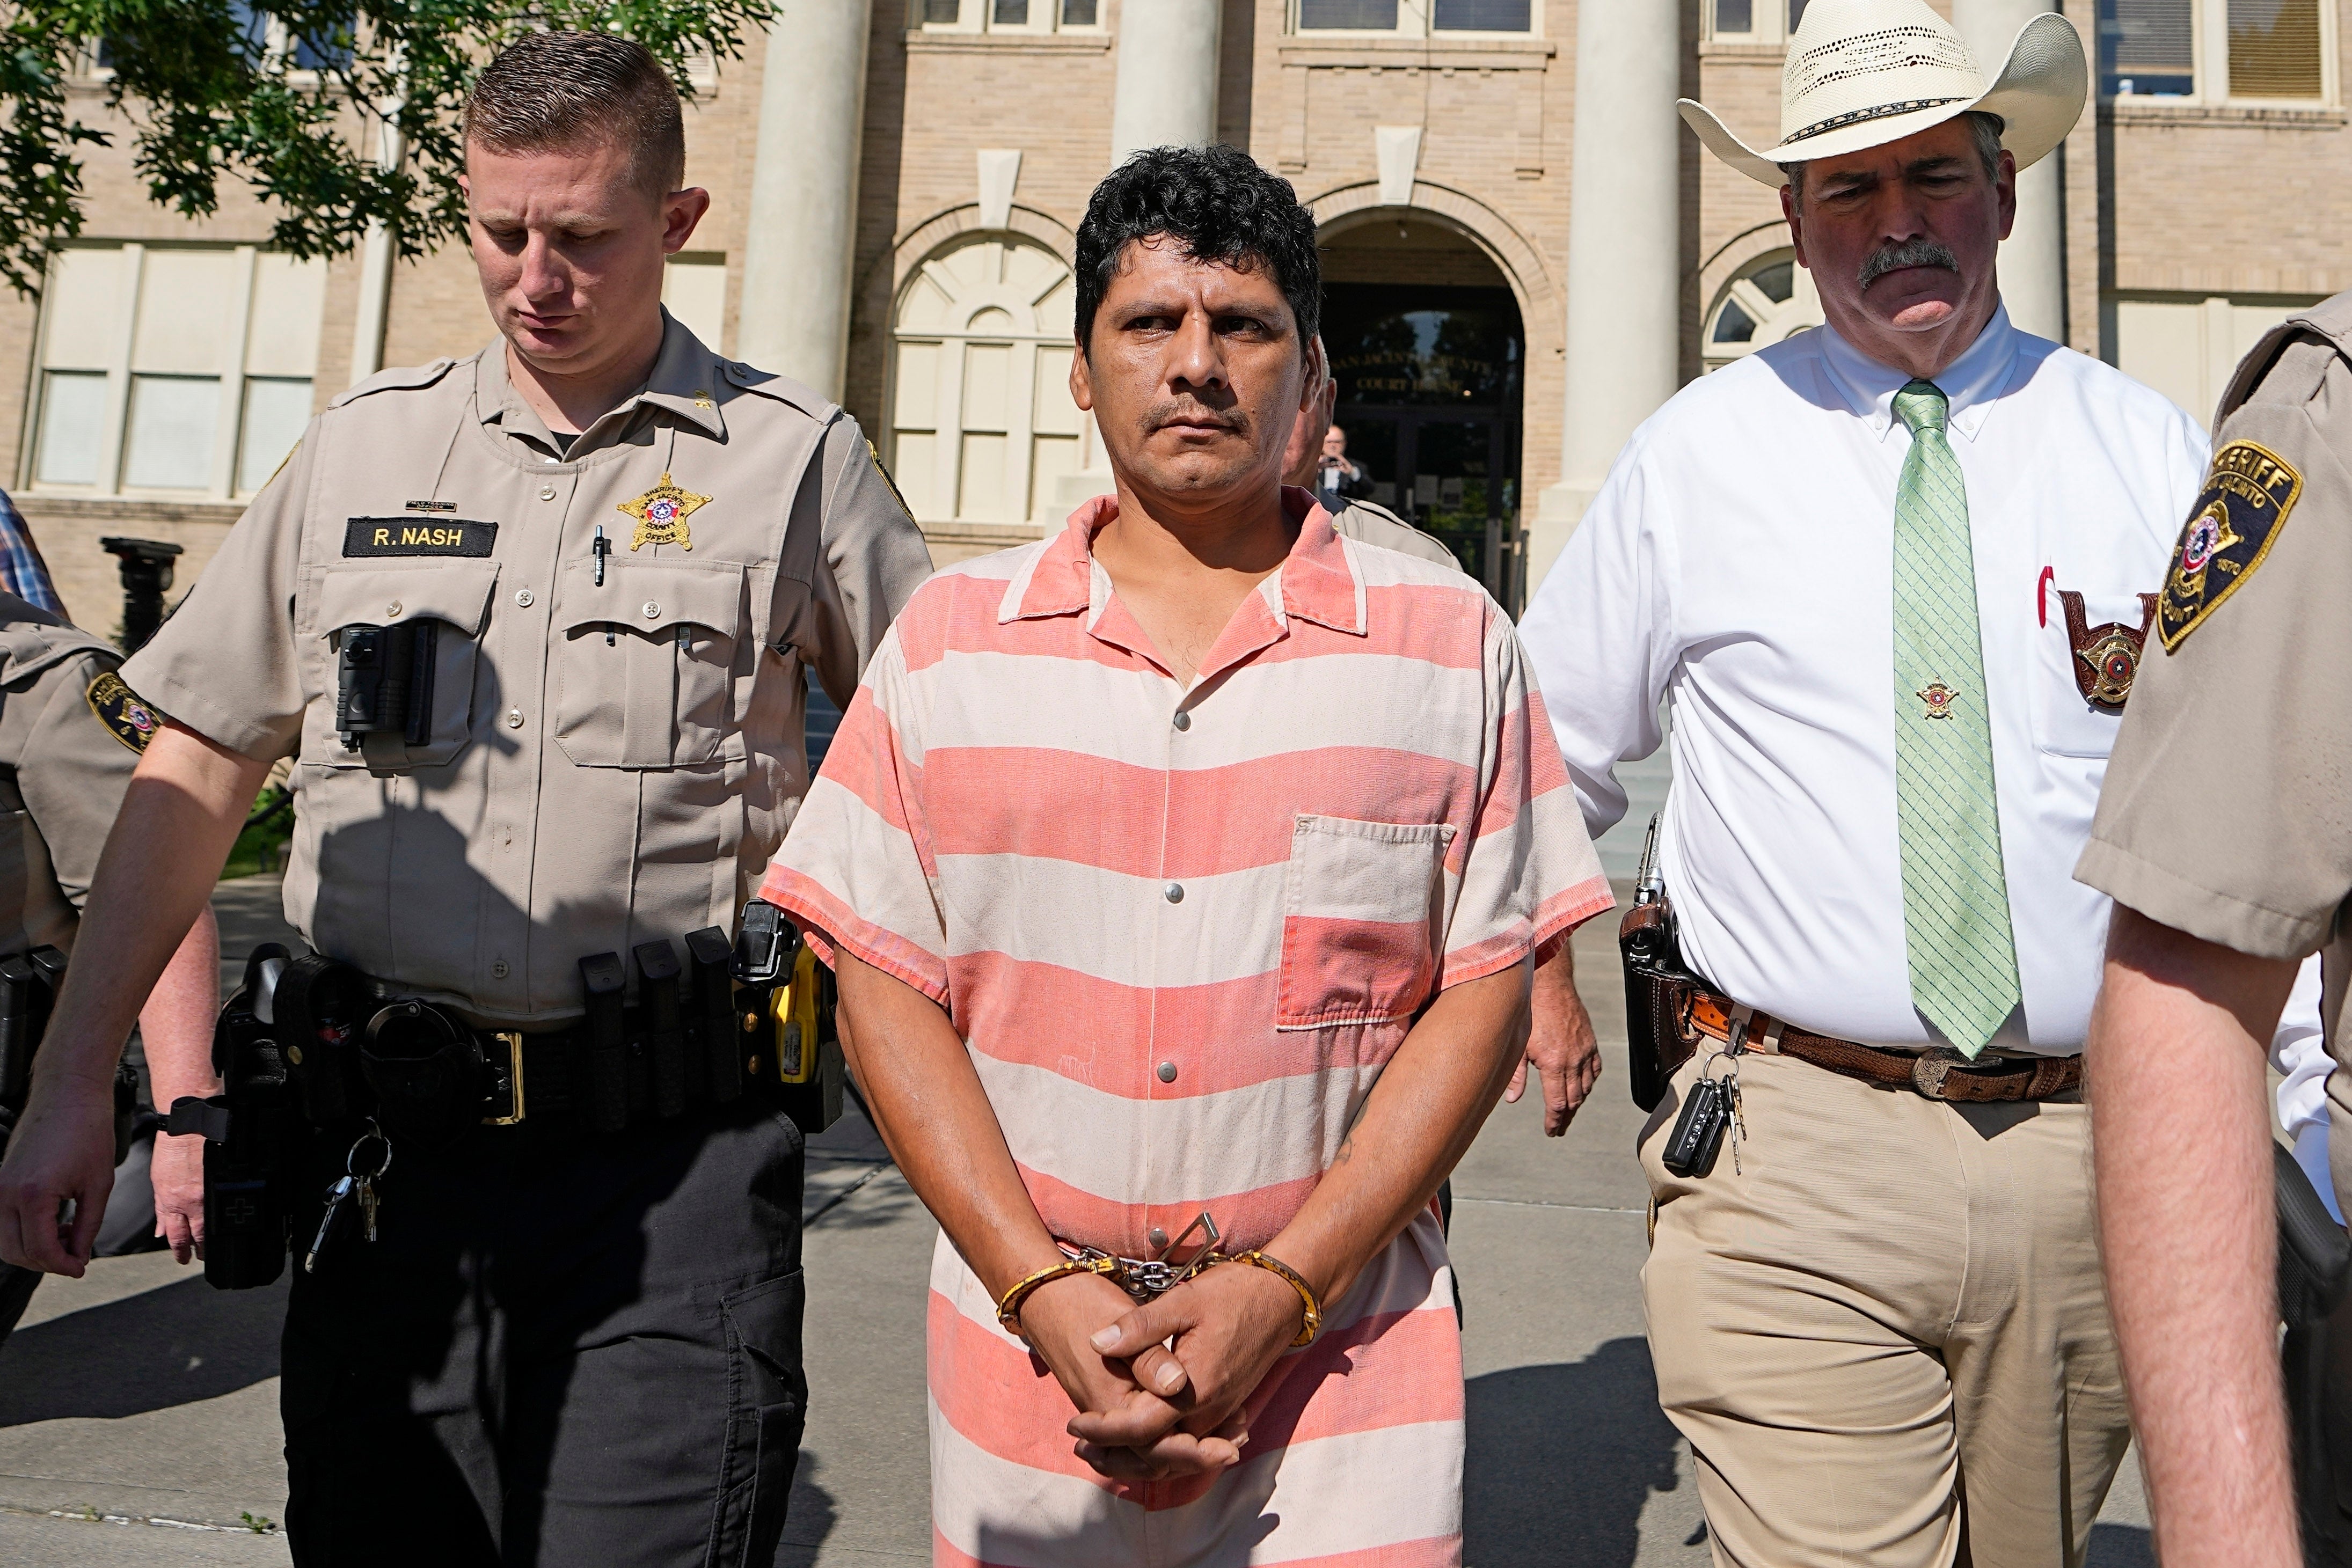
[(1862, 73)]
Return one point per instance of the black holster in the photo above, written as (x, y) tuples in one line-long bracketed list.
[(1658, 993)]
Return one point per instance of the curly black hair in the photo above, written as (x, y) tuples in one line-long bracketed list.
[(1220, 205)]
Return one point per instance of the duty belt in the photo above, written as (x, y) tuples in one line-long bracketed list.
[(1938, 1073)]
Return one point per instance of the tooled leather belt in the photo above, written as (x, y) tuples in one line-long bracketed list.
[(1939, 1074)]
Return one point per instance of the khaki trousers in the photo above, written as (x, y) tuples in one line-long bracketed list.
[(1883, 1330)]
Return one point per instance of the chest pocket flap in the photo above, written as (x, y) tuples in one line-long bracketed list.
[(646, 661), (454, 592)]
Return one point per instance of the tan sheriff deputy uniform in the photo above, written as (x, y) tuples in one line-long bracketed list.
[(2228, 807), (615, 746), (555, 1343), (1371, 524), (70, 736)]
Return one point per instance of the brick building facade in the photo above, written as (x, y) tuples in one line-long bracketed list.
[(169, 362)]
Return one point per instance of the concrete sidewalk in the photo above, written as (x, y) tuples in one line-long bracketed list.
[(141, 1394)]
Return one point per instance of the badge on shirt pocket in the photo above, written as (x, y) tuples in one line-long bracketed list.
[(2087, 653), (1361, 921)]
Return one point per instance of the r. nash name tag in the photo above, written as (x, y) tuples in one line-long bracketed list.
[(416, 535)]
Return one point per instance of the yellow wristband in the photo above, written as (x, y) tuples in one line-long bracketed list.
[(1008, 1306), (1297, 1281)]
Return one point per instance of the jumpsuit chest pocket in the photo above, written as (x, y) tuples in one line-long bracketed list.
[(1360, 921), (645, 667), (454, 596)]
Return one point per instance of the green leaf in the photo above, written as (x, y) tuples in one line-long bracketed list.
[(292, 106)]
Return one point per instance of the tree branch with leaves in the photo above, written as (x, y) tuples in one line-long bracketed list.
[(294, 103)]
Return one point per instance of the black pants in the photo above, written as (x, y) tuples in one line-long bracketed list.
[(557, 1352)]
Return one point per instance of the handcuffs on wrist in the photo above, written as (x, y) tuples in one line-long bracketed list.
[(1147, 1279)]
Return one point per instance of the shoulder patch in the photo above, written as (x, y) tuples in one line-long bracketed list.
[(2248, 494), (126, 718), (888, 483)]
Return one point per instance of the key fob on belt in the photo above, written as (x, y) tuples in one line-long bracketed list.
[(1697, 1135)]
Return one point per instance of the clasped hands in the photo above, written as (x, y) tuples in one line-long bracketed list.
[(1161, 1387)]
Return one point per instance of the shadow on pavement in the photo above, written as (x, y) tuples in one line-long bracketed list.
[(1563, 1460), (810, 1518), (2120, 1546), (176, 1345)]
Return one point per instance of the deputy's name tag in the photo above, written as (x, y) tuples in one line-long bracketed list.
[(418, 535)]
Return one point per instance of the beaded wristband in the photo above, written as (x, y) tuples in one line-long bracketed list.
[(1297, 1281)]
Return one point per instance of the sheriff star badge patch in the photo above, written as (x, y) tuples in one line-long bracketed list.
[(2238, 515), (126, 718), (661, 513)]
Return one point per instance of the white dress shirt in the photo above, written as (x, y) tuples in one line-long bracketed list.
[(1739, 562)]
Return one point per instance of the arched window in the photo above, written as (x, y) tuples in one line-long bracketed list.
[(981, 421), (1766, 301)]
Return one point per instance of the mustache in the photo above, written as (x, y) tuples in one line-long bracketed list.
[(1168, 411), (1922, 252)]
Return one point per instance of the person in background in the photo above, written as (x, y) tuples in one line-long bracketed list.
[(23, 572), (71, 734), (1306, 462)]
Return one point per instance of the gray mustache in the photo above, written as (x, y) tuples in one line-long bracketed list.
[(1910, 253)]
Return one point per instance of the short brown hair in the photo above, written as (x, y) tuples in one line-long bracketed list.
[(553, 91)]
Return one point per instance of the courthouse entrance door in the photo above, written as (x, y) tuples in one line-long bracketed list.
[(1430, 383)]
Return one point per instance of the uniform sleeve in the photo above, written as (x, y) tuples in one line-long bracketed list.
[(1600, 636), (2225, 812), (225, 662), (857, 872), (873, 560), (75, 770), (1527, 872)]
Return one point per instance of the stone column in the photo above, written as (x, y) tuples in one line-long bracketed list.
[(804, 221), (2033, 258), (1624, 271), (1166, 94)]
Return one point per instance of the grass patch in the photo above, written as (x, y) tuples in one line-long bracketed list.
[(261, 846)]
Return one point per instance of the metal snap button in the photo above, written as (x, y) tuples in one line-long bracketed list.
[(391, 610), (498, 970), (1183, 721), (1167, 1075), (1155, 1236), (1175, 892), (547, 492), (522, 597), (514, 718), (653, 610)]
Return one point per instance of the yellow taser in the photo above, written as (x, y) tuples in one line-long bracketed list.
[(794, 1007)]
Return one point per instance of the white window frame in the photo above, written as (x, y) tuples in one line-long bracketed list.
[(1770, 19), (948, 429), (112, 457), (979, 16), (1415, 19), (2210, 64), (1776, 320)]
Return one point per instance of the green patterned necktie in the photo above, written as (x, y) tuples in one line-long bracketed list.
[(1955, 895)]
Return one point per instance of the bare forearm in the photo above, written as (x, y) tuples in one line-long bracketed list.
[(2180, 1128), (935, 1117), (182, 813), (177, 1021), (1432, 1099)]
